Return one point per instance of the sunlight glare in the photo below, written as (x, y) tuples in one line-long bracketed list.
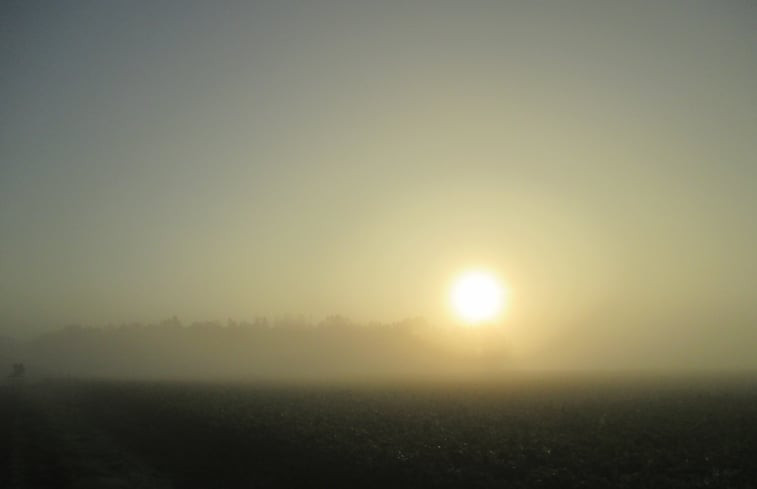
[(477, 296)]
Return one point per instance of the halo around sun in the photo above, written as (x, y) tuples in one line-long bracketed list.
[(477, 296)]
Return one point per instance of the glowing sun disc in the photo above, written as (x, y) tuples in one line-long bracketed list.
[(477, 296)]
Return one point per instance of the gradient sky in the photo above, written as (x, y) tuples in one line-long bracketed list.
[(237, 159)]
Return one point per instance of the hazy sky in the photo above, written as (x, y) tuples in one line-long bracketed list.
[(237, 159)]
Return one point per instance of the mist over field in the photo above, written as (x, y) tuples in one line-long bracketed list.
[(334, 349), (287, 349), (559, 194)]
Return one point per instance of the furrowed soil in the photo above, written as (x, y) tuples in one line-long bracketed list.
[(557, 433)]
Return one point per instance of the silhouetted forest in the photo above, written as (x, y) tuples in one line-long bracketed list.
[(284, 349)]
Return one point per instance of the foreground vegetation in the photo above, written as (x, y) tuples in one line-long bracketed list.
[(536, 433)]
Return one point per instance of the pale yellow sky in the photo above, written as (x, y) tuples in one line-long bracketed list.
[(214, 161)]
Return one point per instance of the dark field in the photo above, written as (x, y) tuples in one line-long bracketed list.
[(557, 433)]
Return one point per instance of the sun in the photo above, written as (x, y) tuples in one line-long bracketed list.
[(477, 296)]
